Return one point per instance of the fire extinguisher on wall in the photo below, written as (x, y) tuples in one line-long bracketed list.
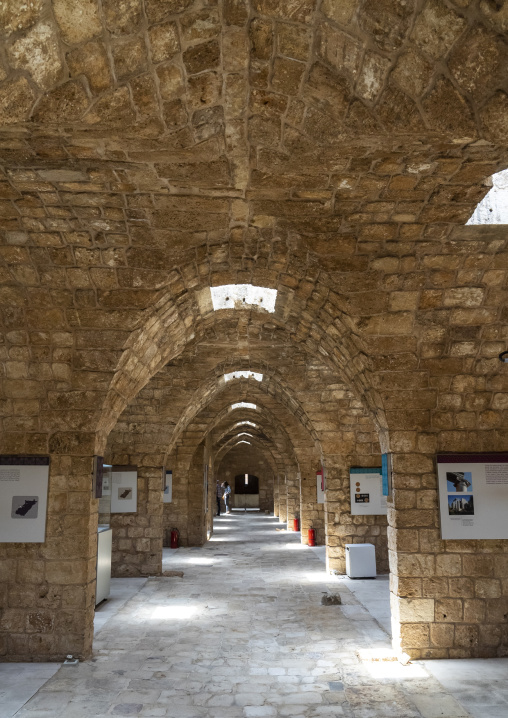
[(174, 538)]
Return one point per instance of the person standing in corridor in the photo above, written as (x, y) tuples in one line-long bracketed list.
[(219, 496), (226, 488)]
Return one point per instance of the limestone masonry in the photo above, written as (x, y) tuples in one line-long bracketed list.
[(331, 150)]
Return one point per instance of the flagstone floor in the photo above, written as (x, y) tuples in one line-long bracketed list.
[(243, 634)]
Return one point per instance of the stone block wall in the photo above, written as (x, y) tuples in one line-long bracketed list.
[(449, 598), (176, 513), (342, 527), (47, 591), (312, 514), (245, 459), (138, 537), (332, 151)]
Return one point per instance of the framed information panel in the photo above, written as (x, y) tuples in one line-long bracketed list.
[(473, 495), (367, 492), (124, 490), (320, 485), (23, 498), (167, 495)]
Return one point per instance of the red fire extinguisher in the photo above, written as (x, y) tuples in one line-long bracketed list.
[(296, 524), (174, 538), (312, 537)]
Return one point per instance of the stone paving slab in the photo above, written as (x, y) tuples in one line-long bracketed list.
[(242, 635)]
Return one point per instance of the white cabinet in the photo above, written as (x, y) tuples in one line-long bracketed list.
[(360, 560)]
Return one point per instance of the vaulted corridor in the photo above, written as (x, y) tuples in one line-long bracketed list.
[(243, 634)]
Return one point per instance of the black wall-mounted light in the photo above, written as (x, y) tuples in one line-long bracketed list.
[(504, 357)]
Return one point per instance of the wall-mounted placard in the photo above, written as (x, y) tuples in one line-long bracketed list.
[(386, 470), (97, 476), (320, 485), (367, 492), (167, 496), (23, 498), (124, 490), (473, 495), (106, 479)]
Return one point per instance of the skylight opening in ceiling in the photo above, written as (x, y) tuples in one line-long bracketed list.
[(493, 209), (245, 433), (231, 296), (245, 423), (243, 375), (243, 442), (243, 405)]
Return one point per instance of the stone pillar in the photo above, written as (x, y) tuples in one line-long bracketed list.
[(283, 500), (197, 517), (335, 558), (293, 498), (138, 537), (312, 514), (175, 514), (266, 487), (448, 598), (276, 495), (341, 526), (47, 593)]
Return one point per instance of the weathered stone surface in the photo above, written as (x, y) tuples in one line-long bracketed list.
[(16, 100), (332, 152), (436, 29), (92, 61), (123, 16), (164, 42), (202, 57), (78, 20), (38, 53), (387, 20)]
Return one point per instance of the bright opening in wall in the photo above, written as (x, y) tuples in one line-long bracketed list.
[(243, 375), (246, 479), (493, 209), (243, 442), (245, 433), (231, 296), (245, 423), (243, 405)]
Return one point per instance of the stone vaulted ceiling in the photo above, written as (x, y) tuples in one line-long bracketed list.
[(152, 148)]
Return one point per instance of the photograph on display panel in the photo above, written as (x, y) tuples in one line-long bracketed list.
[(459, 505), (124, 493), (460, 481)]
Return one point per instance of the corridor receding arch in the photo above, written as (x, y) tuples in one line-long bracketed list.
[(307, 321), (336, 164), (272, 383)]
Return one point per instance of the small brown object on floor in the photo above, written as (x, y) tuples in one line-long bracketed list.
[(178, 574), (332, 599)]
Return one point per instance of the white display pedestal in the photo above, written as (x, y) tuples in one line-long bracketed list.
[(360, 560)]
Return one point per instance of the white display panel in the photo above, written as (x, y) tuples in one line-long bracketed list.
[(106, 480), (473, 495), (23, 502), (320, 485), (167, 496), (366, 487), (124, 491)]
